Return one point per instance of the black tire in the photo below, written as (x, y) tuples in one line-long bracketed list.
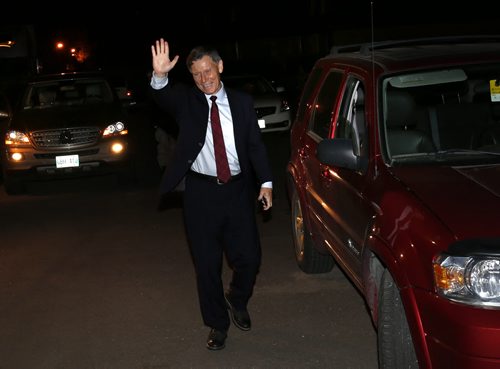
[(308, 258), (395, 345)]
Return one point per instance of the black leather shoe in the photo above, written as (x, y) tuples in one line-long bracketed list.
[(240, 318), (216, 339)]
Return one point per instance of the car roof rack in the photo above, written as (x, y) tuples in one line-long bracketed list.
[(366, 47)]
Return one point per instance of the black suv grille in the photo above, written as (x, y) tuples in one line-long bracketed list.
[(65, 136)]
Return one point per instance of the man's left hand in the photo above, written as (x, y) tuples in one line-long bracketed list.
[(266, 198)]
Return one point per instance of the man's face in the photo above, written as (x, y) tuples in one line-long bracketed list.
[(206, 74)]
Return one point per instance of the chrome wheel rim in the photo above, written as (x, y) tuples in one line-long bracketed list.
[(298, 229)]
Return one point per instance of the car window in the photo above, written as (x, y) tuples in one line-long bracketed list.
[(68, 93), (307, 92), (323, 108), (343, 127), (351, 122), (446, 115)]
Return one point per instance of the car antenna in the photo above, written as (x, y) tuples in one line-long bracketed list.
[(372, 32)]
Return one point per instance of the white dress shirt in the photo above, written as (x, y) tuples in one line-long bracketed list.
[(205, 161)]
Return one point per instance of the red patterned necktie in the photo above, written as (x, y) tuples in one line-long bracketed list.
[(223, 172)]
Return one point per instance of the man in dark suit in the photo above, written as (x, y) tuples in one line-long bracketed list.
[(219, 214)]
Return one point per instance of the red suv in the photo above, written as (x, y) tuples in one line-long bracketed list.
[(394, 176)]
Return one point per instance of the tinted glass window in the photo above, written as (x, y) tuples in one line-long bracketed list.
[(351, 122), (349, 109), (68, 93), (308, 90), (325, 103)]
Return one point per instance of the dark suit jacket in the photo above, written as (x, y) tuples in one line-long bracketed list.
[(189, 107)]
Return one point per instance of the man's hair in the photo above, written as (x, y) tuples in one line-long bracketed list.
[(199, 52)]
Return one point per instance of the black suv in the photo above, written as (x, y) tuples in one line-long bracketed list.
[(394, 176), (68, 124)]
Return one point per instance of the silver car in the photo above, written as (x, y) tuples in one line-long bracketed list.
[(272, 107)]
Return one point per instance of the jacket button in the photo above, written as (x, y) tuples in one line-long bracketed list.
[(190, 161), (200, 144)]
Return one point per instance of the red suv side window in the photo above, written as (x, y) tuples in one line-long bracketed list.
[(323, 109), (307, 93)]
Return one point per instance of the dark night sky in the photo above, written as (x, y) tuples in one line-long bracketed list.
[(120, 32), (119, 24), (228, 19)]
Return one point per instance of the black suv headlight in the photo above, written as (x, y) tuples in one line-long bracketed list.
[(115, 129), (471, 279), (16, 138)]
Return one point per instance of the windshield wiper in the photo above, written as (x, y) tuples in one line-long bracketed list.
[(451, 152), (441, 154)]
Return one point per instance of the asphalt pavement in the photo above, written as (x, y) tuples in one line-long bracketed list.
[(93, 275)]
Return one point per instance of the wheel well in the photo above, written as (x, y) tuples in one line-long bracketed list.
[(290, 182), (373, 269)]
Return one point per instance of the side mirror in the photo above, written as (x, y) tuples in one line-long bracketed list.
[(339, 152)]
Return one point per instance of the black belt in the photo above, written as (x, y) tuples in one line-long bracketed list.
[(215, 179)]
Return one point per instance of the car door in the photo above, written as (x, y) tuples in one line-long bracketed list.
[(323, 108), (345, 212)]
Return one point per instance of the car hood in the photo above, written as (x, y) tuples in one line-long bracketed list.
[(65, 117), (465, 199)]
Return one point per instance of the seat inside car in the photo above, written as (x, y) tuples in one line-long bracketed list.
[(93, 93), (46, 97), (403, 135)]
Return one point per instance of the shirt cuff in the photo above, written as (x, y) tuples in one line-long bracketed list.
[(158, 82), (267, 185)]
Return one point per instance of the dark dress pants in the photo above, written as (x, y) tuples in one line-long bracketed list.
[(221, 219)]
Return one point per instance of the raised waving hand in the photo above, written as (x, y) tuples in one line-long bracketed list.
[(161, 58)]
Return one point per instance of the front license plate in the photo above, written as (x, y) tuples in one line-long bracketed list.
[(262, 123), (67, 161)]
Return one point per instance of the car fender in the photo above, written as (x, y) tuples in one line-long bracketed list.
[(378, 257)]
